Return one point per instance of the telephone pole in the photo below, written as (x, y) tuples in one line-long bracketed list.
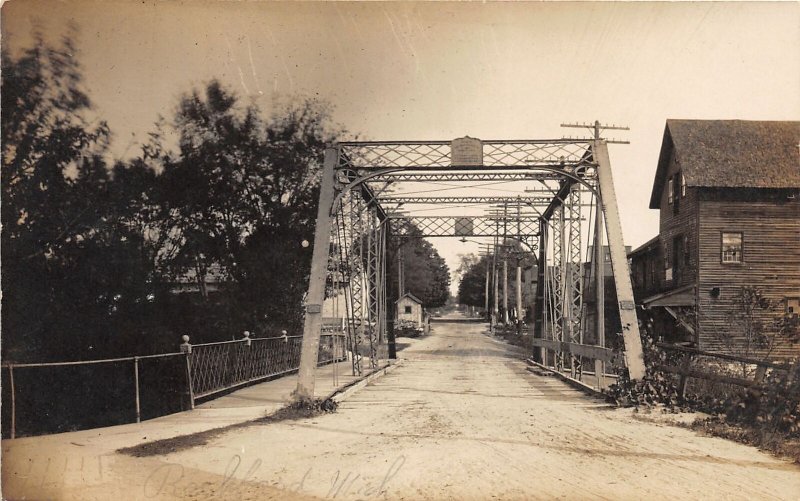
[(597, 128)]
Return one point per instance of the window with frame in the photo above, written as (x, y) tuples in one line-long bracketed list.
[(792, 306), (732, 247), (677, 252), (676, 180), (683, 184), (408, 309), (670, 192)]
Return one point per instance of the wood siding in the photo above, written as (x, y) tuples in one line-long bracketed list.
[(770, 223), (672, 224)]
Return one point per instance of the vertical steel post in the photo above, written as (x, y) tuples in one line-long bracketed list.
[(519, 296), (634, 358), (391, 306), (186, 349), (136, 387), (13, 401), (599, 257), (519, 268), (316, 286), (539, 306), (189, 379)]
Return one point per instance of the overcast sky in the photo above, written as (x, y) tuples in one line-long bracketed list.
[(445, 70)]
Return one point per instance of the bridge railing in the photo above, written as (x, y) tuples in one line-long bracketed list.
[(56, 397), (222, 366), (560, 352)]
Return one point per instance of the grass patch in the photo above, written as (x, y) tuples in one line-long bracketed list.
[(774, 442), (297, 410)]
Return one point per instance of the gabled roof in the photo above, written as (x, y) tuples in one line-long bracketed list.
[(653, 242), (412, 296), (730, 154)]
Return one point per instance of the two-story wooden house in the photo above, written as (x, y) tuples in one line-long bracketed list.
[(728, 192)]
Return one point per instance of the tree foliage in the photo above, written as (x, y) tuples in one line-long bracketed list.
[(93, 250), (425, 272), (472, 287), (74, 268)]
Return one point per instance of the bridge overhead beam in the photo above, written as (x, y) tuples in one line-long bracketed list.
[(511, 201), (439, 154), (462, 226), (467, 175)]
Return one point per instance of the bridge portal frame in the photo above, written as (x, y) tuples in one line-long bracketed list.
[(350, 211)]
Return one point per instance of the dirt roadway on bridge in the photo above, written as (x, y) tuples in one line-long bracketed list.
[(460, 419)]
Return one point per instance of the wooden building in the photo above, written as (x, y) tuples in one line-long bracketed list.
[(728, 195), (409, 309)]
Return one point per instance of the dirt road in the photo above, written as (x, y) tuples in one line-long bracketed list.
[(460, 419)]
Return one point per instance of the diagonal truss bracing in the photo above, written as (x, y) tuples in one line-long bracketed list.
[(361, 180)]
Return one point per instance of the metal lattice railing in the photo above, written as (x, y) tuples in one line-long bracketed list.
[(216, 367)]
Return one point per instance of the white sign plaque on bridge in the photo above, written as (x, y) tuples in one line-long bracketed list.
[(466, 151)]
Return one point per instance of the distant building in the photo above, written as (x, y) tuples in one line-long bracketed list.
[(213, 280), (727, 192), (409, 309)]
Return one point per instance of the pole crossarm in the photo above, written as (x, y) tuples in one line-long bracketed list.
[(439, 154), (464, 200)]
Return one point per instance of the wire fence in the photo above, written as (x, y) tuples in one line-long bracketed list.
[(56, 397)]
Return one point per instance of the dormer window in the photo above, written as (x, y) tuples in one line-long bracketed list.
[(683, 184)]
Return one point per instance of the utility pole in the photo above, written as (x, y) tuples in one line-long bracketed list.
[(495, 286), (599, 255), (505, 288), (519, 273), (486, 291), (401, 286), (505, 266)]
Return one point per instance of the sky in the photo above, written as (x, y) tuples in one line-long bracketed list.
[(437, 71)]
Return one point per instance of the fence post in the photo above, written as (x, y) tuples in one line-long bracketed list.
[(684, 377), (13, 401), (761, 371), (599, 373), (247, 339), (186, 348), (136, 386)]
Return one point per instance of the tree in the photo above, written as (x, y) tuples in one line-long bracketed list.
[(757, 325), (425, 272), (74, 268), (472, 287), (240, 196)]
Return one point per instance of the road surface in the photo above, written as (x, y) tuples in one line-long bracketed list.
[(460, 419)]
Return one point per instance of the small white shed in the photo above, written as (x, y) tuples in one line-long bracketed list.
[(409, 309)]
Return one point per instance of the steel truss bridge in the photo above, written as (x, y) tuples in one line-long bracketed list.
[(363, 218)]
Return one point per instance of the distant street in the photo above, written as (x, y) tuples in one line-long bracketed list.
[(460, 419)]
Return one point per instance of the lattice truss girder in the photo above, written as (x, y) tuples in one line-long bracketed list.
[(407, 200), (470, 226), (360, 240), (437, 154)]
